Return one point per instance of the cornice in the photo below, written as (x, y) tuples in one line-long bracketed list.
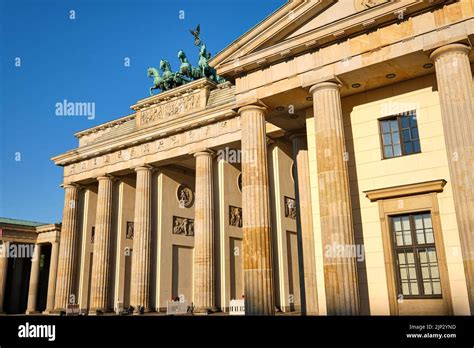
[(48, 228), (174, 93), (255, 30), (149, 101), (356, 24), (406, 190), (105, 125), (146, 134)]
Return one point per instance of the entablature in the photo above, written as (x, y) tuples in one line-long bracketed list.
[(167, 114), (249, 57)]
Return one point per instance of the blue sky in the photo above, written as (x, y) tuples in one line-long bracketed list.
[(83, 60)]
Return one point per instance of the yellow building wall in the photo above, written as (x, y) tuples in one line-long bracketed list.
[(368, 171)]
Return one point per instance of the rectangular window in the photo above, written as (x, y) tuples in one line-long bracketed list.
[(415, 255), (400, 135)]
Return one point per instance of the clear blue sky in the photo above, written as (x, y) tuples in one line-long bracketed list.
[(82, 60)]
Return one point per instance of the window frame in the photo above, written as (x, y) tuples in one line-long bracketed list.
[(415, 248), (398, 118)]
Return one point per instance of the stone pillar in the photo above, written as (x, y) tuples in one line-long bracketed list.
[(101, 254), (257, 237), (3, 272), (456, 93), (340, 273), (204, 286), (67, 248), (304, 223), (53, 269), (34, 280), (141, 257)]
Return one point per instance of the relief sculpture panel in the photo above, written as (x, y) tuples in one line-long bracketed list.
[(183, 226), (169, 110)]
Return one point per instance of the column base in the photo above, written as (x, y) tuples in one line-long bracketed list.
[(205, 310), (50, 312), (136, 311), (32, 312), (99, 311)]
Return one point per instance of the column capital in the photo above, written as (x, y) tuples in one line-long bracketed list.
[(451, 48), (106, 177), (205, 152), (297, 135), (66, 185), (325, 85), (259, 106), (144, 167)]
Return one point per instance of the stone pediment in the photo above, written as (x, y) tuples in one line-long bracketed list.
[(173, 104), (304, 25)]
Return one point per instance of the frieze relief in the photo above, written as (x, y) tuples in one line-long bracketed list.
[(169, 110), (155, 146), (183, 226)]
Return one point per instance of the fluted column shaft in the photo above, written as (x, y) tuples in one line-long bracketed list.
[(34, 280), (67, 249), (3, 273), (204, 287), (257, 239), (53, 270), (340, 273), (101, 254), (140, 292), (304, 222), (456, 92)]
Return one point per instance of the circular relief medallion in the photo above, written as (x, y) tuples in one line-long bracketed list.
[(361, 5), (185, 196)]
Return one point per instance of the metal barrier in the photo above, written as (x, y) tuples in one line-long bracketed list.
[(119, 308), (237, 307), (177, 307), (72, 309)]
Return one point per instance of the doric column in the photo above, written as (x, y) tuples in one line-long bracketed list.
[(53, 269), (340, 273), (204, 287), (67, 249), (456, 92), (101, 254), (3, 272), (141, 257), (257, 238), (34, 280), (304, 222)]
